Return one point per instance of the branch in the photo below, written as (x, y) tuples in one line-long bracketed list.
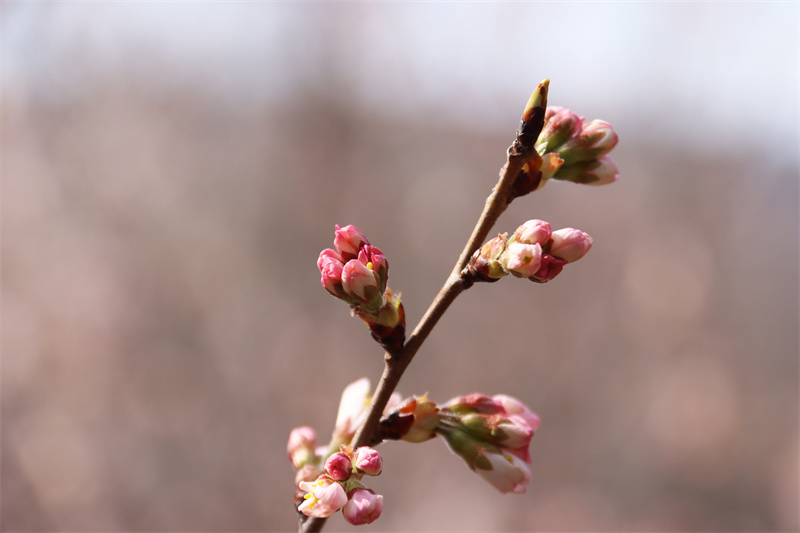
[(518, 154)]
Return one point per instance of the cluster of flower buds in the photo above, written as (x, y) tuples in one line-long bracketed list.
[(357, 273), (566, 148), (328, 478), (492, 434), (576, 151), (533, 251), (337, 485)]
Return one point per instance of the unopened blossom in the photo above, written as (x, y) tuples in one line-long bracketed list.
[(352, 406), (355, 271), (426, 418), (503, 469), (323, 497), (302, 441), (362, 285), (474, 403), (600, 171), (348, 241), (493, 436), (596, 139), (368, 461), (486, 263), (339, 466), (506, 472), (533, 232), (550, 267), (513, 406), (570, 244), (523, 260), (330, 265), (560, 125), (363, 506)]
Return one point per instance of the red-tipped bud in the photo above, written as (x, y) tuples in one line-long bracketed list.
[(339, 466), (361, 285), (330, 266), (550, 267), (348, 241)]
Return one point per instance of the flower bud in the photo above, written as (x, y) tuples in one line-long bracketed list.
[(601, 171), (513, 406), (550, 164), (550, 268), (367, 461), (506, 472), (352, 407), (323, 497), (426, 418), (388, 324), (361, 285), (302, 441), (533, 232), (374, 259), (363, 507), (330, 266), (348, 241), (560, 125), (485, 264), (523, 260), (596, 139), (570, 244), (339, 466), (474, 403)]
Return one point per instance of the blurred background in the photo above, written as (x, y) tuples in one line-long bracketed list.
[(171, 171)]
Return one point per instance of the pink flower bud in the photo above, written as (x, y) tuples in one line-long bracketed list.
[(348, 241), (330, 266), (523, 260), (514, 434), (599, 136), (374, 259), (595, 140), (550, 268), (363, 507), (560, 125), (361, 285), (570, 244), (302, 441), (368, 461), (352, 406), (506, 472), (474, 403), (600, 171), (323, 497), (515, 407), (339, 466), (533, 232)]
